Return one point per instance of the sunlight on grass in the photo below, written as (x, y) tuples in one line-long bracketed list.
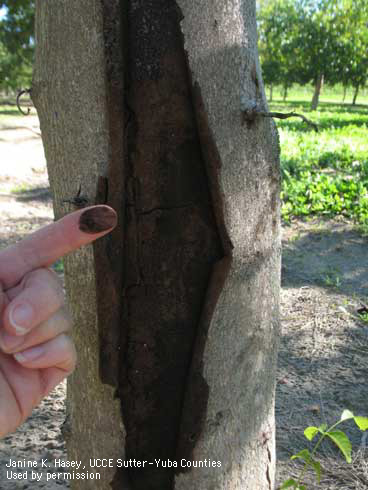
[(325, 173)]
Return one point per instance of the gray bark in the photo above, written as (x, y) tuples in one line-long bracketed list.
[(181, 128), (69, 92)]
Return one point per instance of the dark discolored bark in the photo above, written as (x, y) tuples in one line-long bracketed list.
[(172, 241)]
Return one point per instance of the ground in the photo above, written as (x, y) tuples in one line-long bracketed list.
[(323, 352)]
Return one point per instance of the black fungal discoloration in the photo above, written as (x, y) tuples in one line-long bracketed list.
[(174, 244)]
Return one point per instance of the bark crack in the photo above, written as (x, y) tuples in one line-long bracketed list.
[(171, 208), (176, 250)]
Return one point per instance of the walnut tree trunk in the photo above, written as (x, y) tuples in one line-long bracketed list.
[(317, 91), (356, 91), (176, 311)]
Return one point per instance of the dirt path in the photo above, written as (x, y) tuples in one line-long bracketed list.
[(25, 205), (323, 353)]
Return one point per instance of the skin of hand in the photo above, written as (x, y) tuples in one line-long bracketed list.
[(36, 352)]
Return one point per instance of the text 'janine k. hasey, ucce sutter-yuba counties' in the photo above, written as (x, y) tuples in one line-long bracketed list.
[(119, 463)]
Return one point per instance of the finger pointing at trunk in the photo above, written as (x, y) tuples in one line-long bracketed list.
[(45, 246)]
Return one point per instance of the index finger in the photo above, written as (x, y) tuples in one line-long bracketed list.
[(43, 247)]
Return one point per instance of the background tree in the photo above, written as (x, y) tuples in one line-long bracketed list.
[(308, 41), (278, 49), (317, 39), (16, 44), (352, 53), (176, 312)]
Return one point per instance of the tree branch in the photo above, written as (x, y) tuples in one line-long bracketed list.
[(281, 115), (22, 92), (249, 115)]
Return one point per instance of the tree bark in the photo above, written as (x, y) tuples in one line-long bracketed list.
[(317, 92), (356, 91), (176, 311)]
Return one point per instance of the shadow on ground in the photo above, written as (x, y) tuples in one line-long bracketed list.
[(334, 258), (323, 357), (41, 194)]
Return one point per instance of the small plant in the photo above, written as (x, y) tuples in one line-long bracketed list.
[(331, 278), (364, 317), (338, 437)]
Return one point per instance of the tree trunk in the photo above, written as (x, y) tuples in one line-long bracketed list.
[(271, 91), (317, 91), (285, 93), (344, 93), (176, 311), (356, 90)]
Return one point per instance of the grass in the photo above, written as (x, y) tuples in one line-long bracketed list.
[(9, 110), (324, 173)]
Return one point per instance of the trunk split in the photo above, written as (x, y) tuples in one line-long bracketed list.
[(176, 311)]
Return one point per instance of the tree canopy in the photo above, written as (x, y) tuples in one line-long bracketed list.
[(302, 41)]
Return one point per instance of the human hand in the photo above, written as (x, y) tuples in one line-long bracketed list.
[(36, 352)]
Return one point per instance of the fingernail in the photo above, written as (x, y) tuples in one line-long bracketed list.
[(10, 342), (29, 354), (97, 219), (20, 317)]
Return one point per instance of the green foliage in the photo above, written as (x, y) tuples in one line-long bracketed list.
[(364, 317), (277, 46), (352, 48), (16, 44), (331, 278), (338, 437), (325, 173)]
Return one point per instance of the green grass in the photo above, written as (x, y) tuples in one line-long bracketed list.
[(328, 94), (324, 173), (8, 111)]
